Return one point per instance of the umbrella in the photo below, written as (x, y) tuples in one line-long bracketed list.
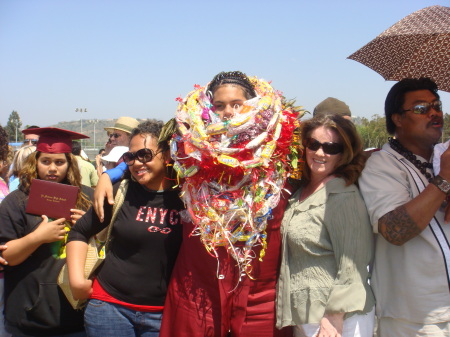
[(416, 46)]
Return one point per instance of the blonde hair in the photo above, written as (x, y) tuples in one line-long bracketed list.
[(19, 159)]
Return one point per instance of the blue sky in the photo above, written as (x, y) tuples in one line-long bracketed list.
[(133, 58)]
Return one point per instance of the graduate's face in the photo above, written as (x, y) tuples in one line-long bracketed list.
[(228, 101), (52, 166)]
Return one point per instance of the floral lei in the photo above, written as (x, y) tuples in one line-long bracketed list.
[(233, 171)]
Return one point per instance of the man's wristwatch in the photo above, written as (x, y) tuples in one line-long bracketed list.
[(441, 183)]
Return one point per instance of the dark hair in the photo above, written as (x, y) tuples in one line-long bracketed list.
[(396, 97), (4, 149), (32, 127), (233, 78), (76, 148), (100, 151), (152, 128), (155, 128), (352, 159)]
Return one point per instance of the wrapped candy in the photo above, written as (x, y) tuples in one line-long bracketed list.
[(257, 141), (227, 160), (268, 149), (232, 171), (216, 128), (252, 163)]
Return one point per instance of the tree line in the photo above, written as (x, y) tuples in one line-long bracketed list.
[(372, 131), (374, 134)]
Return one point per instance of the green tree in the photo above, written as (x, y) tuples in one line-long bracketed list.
[(13, 127), (446, 128), (373, 132)]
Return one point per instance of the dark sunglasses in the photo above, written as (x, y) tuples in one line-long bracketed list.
[(143, 155), (115, 135), (328, 148), (30, 141), (424, 108)]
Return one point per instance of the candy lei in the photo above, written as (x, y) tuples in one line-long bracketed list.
[(233, 171)]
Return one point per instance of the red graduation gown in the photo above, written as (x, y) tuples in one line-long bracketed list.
[(200, 304)]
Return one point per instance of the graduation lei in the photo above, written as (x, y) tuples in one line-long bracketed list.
[(233, 171)]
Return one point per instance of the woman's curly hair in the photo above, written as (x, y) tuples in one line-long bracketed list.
[(73, 177), (4, 149)]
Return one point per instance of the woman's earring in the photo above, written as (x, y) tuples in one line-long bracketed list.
[(209, 94)]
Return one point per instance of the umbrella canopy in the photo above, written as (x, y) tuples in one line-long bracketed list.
[(416, 46)]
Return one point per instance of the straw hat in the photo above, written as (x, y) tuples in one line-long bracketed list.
[(125, 124)]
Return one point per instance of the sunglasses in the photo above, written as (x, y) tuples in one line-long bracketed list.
[(30, 141), (143, 155), (328, 147), (424, 108), (115, 135)]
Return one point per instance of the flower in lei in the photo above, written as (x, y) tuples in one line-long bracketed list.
[(233, 171)]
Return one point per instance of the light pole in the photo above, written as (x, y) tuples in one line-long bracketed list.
[(81, 120), (95, 144), (16, 123)]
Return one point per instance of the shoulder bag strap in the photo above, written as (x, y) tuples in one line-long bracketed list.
[(118, 202)]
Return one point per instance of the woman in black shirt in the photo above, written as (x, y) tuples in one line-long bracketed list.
[(127, 296)]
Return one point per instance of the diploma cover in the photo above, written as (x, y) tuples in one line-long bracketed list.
[(51, 199)]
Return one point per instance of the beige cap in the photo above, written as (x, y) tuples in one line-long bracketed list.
[(125, 124)]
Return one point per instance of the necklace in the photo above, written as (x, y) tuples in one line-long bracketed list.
[(421, 166)]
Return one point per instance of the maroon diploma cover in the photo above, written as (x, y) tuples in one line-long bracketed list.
[(51, 199)]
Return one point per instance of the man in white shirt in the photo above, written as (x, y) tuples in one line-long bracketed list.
[(406, 204)]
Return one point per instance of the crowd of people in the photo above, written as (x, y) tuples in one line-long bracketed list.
[(209, 234)]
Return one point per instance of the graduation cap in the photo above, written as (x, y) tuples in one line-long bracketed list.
[(54, 140)]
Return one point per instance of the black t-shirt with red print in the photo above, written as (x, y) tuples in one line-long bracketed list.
[(146, 238)]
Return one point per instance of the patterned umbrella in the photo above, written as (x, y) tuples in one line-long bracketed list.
[(416, 46)]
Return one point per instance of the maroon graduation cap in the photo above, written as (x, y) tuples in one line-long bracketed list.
[(54, 140)]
